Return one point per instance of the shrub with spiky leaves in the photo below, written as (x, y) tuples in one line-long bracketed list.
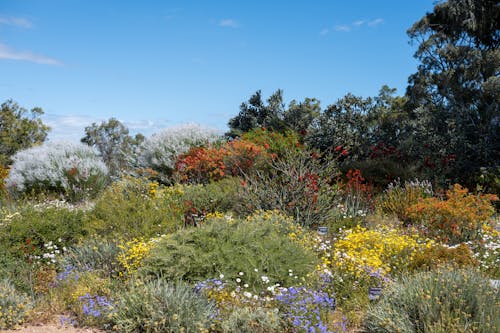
[(437, 302), (70, 169), (159, 306)]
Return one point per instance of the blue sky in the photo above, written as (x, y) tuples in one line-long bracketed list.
[(153, 64)]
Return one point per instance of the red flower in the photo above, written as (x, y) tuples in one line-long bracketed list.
[(344, 152), (338, 148)]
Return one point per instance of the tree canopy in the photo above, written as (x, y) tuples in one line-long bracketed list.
[(19, 129)]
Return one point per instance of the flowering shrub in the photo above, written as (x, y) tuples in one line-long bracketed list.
[(132, 255), (161, 151), (357, 195), (305, 309), (360, 251), (234, 158), (72, 169), (487, 251), (455, 220), (398, 197), (13, 305), (439, 255), (96, 310)]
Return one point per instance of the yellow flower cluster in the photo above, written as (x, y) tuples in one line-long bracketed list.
[(133, 253), (13, 306), (384, 250)]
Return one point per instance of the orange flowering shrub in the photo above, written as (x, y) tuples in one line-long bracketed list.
[(234, 158), (455, 220)]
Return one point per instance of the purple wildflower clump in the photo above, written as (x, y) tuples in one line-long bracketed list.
[(304, 308), (209, 284), (95, 306)]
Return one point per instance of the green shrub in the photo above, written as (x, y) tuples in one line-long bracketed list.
[(441, 255), (437, 302), (252, 320), (136, 208), (229, 247), (26, 231), (158, 306), (13, 305), (213, 197)]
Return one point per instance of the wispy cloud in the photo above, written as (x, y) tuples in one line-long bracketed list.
[(375, 22), (16, 21), (11, 54), (229, 23), (324, 32), (342, 28), (358, 23)]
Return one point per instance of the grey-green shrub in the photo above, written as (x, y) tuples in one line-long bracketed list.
[(158, 306), (252, 320), (70, 169), (13, 305), (229, 247), (94, 255), (441, 301)]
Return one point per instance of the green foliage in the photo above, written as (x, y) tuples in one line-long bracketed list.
[(132, 208), (297, 184), (252, 320), (24, 233), (437, 302), (214, 197), (275, 142), (257, 247), (114, 144), (455, 91), (162, 307), (19, 129), (13, 305)]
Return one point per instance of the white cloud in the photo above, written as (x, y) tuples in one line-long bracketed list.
[(324, 32), (342, 28), (72, 127), (229, 23), (16, 21), (358, 23), (376, 22), (11, 54)]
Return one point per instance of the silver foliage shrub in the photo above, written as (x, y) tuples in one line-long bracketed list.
[(160, 151), (72, 169)]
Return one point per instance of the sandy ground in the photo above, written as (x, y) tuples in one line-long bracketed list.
[(52, 327)]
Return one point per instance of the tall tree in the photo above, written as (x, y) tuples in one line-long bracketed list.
[(111, 138), (19, 129), (455, 94)]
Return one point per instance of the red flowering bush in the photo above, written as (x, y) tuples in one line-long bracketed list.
[(234, 158), (455, 220)]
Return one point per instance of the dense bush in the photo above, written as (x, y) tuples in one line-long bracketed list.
[(398, 197), (160, 151), (162, 307), (258, 247), (29, 231), (437, 302), (441, 255), (69, 169), (13, 305), (457, 219), (136, 208)]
